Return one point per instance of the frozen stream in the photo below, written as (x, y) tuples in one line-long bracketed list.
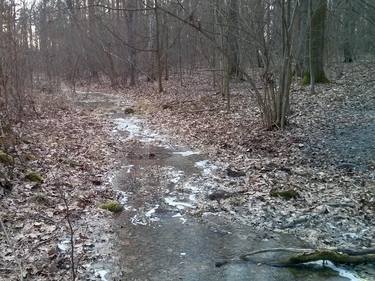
[(158, 238)]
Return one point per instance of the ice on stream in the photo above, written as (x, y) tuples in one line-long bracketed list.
[(122, 197), (102, 273), (134, 127), (186, 153), (206, 167), (341, 271), (64, 245), (182, 219), (151, 212), (172, 201), (174, 175)]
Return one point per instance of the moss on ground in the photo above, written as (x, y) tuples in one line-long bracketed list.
[(285, 194), (112, 206), (320, 79), (34, 177), (5, 158)]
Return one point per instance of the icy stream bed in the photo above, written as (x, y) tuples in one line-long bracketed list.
[(161, 235), (159, 239)]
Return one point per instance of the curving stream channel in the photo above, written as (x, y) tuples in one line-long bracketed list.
[(160, 235)]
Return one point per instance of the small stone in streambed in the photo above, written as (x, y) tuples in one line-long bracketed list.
[(151, 155), (96, 182), (285, 194), (129, 110), (112, 206), (220, 263), (235, 173), (218, 195)]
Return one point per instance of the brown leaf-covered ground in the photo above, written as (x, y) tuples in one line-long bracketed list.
[(72, 150)]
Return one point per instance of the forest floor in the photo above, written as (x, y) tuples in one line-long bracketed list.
[(324, 160), (69, 151)]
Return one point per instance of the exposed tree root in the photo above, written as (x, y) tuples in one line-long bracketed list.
[(300, 256)]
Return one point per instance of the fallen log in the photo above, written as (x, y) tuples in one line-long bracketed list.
[(301, 256)]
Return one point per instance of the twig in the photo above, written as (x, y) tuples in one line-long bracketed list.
[(341, 256), (199, 110), (19, 262), (71, 230)]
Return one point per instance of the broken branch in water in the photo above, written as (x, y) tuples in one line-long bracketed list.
[(300, 256)]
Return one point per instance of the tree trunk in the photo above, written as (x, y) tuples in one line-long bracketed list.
[(317, 27), (132, 51), (348, 32), (158, 50), (232, 37)]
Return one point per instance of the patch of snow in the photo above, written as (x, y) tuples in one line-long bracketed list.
[(129, 168), (111, 178), (206, 167), (190, 186), (186, 153), (173, 174), (102, 274), (192, 197), (122, 197), (183, 220), (180, 205), (178, 215), (128, 125), (137, 221), (151, 212), (134, 126), (341, 271), (64, 245)]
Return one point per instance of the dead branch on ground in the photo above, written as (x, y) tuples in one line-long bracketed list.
[(300, 256)]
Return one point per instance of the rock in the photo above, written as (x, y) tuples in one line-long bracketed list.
[(235, 173), (285, 194), (112, 206), (34, 177), (5, 158), (218, 195), (166, 106), (96, 182), (129, 110), (151, 155), (347, 167)]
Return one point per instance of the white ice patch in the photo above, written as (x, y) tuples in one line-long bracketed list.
[(64, 245), (192, 197), (206, 167), (186, 153), (128, 168), (134, 126), (129, 125), (171, 201), (102, 274), (173, 174), (137, 220), (151, 212), (190, 186), (122, 197), (341, 271)]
